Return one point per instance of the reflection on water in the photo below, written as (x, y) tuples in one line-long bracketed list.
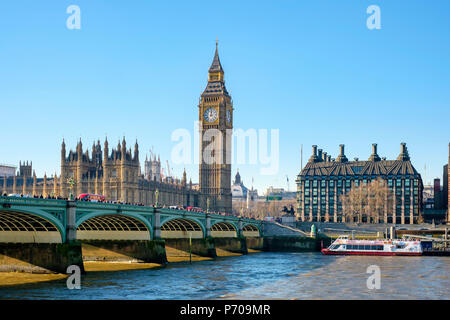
[(260, 276)]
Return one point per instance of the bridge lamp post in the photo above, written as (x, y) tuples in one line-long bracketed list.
[(71, 182), (207, 205), (156, 198)]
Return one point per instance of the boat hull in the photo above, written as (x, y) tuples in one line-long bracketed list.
[(367, 253)]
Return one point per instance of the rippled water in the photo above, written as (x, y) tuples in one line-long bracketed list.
[(260, 276)]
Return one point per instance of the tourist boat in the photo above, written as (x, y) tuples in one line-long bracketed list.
[(398, 247)]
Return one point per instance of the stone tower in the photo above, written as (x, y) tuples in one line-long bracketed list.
[(152, 168), (25, 169), (216, 124)]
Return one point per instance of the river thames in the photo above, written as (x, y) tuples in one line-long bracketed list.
[(259, 276)]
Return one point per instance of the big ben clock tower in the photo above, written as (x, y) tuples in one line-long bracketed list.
[(216, 124)]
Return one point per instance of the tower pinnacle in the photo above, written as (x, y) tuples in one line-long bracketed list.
[(216, 66)]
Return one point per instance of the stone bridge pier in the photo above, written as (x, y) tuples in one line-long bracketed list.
[(31, 243)]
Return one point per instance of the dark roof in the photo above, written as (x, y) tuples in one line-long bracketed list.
[(216, 66), (359, 168), (215, 87)]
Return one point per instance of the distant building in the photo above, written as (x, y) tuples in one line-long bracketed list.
[(7, 170), (273, 192), (279, 194), (152, 169), (438, 194), (445, 194), (252, 197), (323, 181), (238, 190), (428, 197), (446, 188)]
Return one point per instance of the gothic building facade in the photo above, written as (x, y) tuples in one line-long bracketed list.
[(116, 174), (323, 181)]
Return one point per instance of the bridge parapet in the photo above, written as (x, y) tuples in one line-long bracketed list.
[(32, 201)]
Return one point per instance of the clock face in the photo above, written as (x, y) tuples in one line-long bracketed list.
[(228, 116), (210, 115)]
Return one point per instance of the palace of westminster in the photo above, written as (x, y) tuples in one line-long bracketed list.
[(116, 173)]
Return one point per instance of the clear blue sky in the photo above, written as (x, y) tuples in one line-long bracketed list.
[(309, 68)]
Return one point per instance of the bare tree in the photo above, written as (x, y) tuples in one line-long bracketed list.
[(261, 209), (367, 202)]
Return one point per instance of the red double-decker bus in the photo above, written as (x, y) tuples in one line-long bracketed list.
[(195, 209), (91, 197)]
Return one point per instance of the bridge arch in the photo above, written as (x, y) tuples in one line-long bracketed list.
[(250, 230), (111, 225), (223, 230), (182, 228), (38, 226)]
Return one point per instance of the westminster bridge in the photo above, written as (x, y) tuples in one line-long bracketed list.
[(50, 233)]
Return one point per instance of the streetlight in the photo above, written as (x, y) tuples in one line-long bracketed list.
[(156, 198), (71, 182)]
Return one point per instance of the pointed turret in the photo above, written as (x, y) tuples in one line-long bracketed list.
[(106, 150), (136, 152), (63, 151), (216, 66), (183, 181), (44, 185), (237, 178), (94, 149), (216, 83), (80, 150), (124, 147)]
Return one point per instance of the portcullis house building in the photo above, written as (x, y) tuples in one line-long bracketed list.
[(323, 181)]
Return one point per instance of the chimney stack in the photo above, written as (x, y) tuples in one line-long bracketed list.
[(341, 157), (404, 156), (374, 156), (314, 157)]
